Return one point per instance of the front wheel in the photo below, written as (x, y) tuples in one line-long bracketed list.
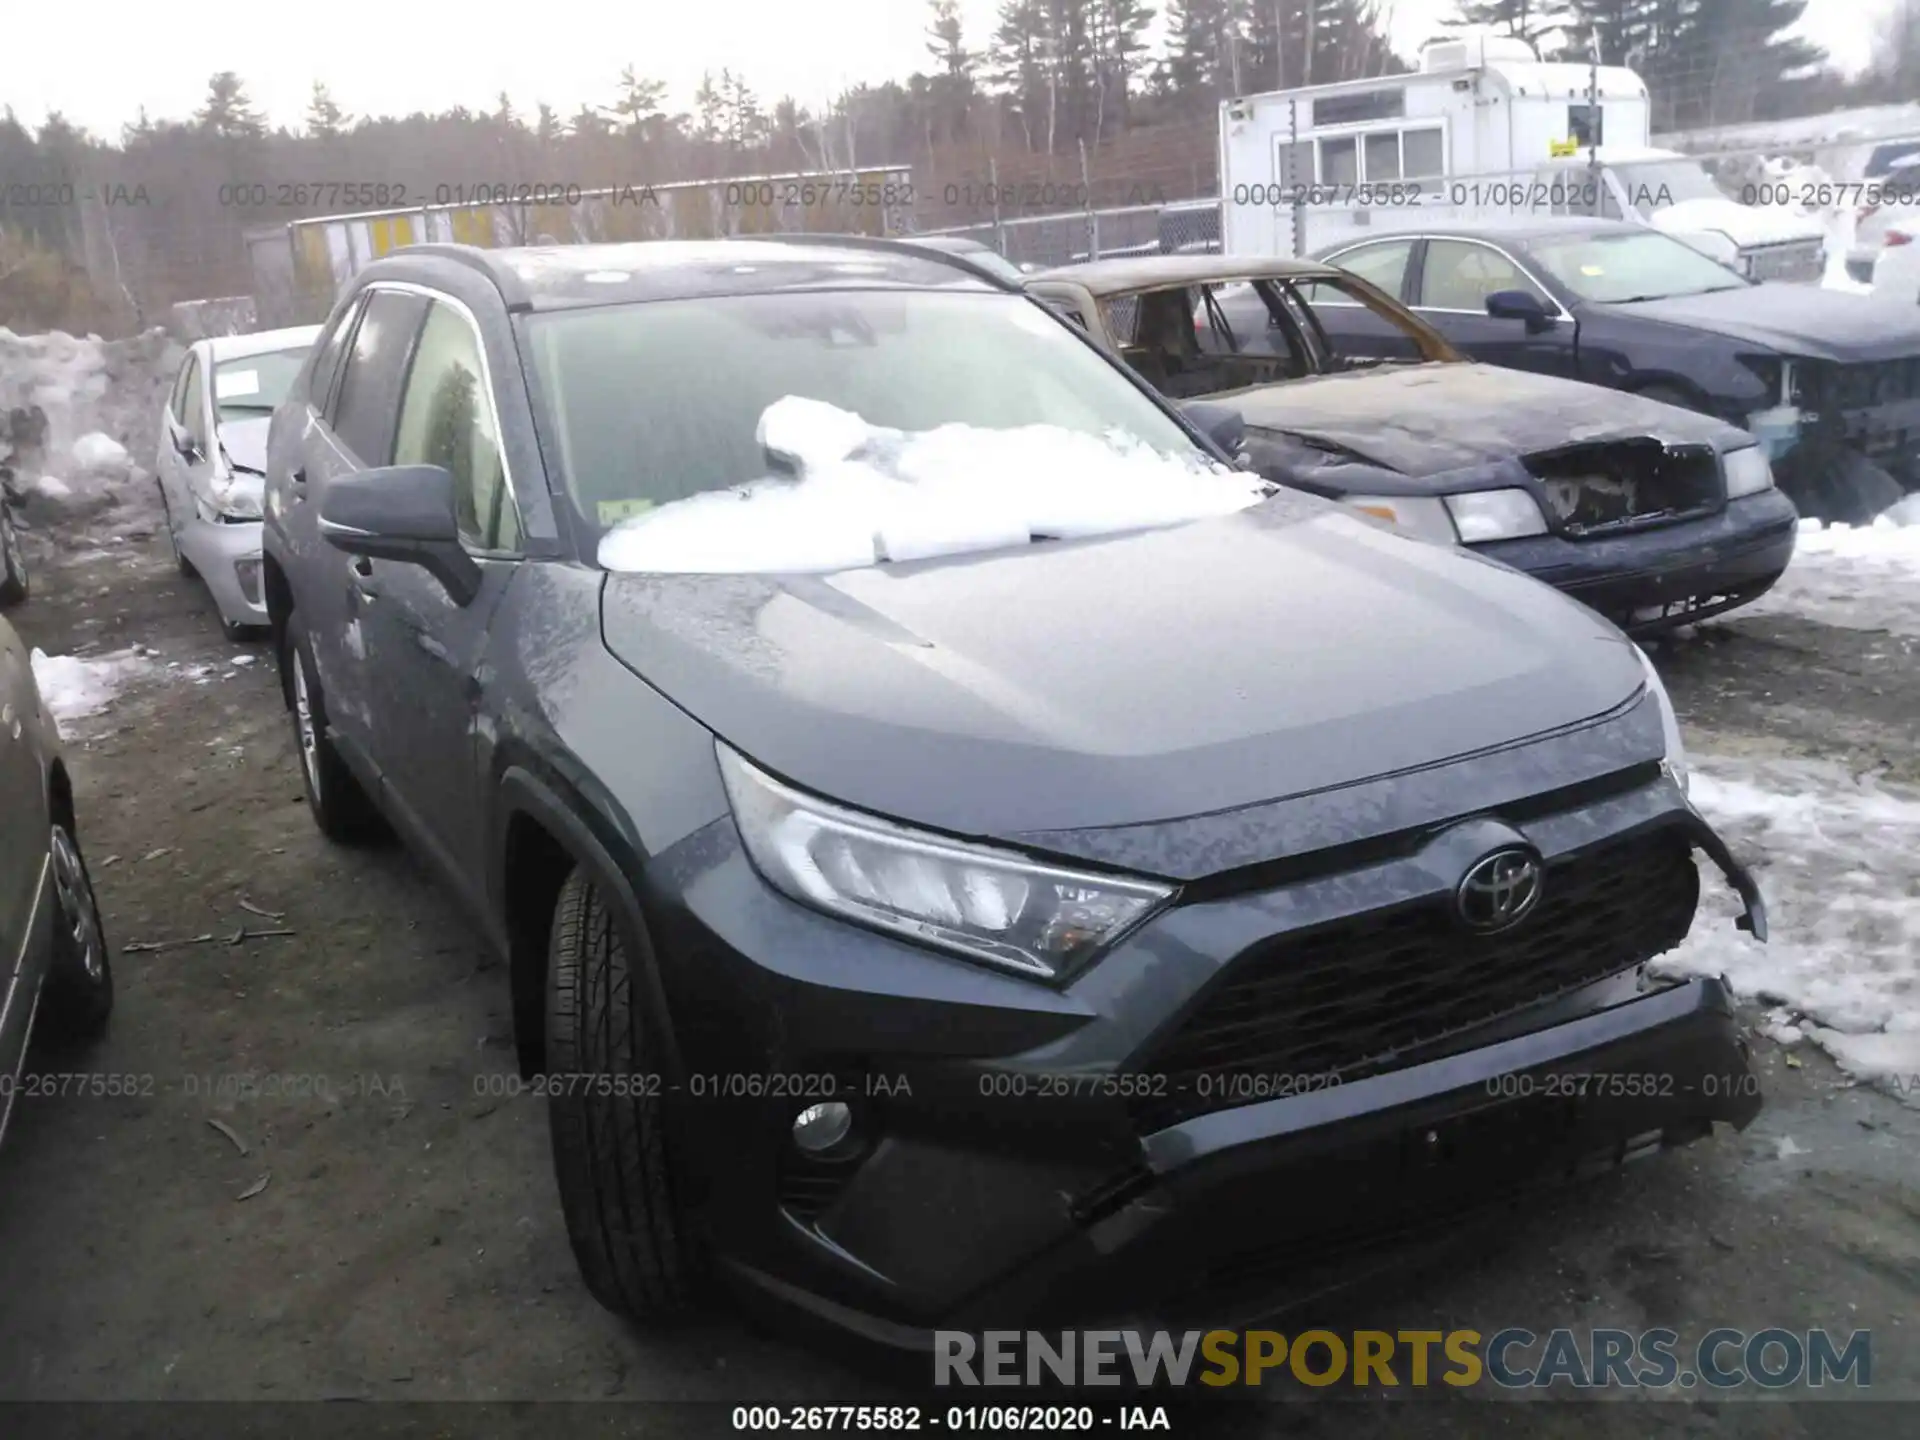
[(13, 563), (180, 562), (610, 1151), (79, 986)]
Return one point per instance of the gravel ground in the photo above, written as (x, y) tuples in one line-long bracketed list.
[(408, 1245)]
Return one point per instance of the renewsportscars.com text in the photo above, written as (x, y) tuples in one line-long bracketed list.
[(1512, 1358)]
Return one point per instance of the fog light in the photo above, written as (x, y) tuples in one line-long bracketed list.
[(818, 1128), (248, 571)]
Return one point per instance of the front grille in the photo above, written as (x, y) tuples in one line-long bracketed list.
[(1349, 999), (1790, 260), (1609, 487)]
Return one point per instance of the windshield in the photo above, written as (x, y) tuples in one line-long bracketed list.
[(1613, 269), (1655, 184), (660, 402), (250, 387)]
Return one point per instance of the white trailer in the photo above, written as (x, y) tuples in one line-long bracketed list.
[(1485, 132)]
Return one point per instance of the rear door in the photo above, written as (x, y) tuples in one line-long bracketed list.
[(1452, 280), (353, 432), (1355, 332)]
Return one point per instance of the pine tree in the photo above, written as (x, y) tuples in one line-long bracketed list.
[(228, 111), (639, 101), (325, 120), (1533, 21)]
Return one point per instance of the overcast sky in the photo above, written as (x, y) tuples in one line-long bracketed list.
[(393, 57)]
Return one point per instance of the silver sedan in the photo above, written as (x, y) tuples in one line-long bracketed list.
[(213, 447)]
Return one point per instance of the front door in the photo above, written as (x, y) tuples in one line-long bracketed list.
[(332, 590), (425, 651), (1454, 279)]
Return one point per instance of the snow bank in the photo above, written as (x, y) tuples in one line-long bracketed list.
[(101, 400), (94, 451), (866, 495), (1838, 859), (1863, 577), (72, 687), (1841, 225)]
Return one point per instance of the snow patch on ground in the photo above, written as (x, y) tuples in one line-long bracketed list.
[(866, 495), (1838, 860), (73, 687), (54, 486), (1862, 577)]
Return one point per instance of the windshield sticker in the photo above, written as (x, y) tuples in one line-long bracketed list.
[(233, 384), (1592, 271), (612, 512)]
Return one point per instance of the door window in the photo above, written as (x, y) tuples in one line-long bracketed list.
[(367, 407), (177, 401), (194, 406), (326, 358), (1383, 263), (1459, 275), (446, 419)]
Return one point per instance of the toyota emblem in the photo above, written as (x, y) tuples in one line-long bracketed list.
[(1499, 891)]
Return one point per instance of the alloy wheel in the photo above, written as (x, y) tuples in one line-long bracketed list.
[(79, 913)]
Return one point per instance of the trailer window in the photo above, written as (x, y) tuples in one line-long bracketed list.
[(1422, 154), (1339, 161), (1383, 157), (1584, 125)]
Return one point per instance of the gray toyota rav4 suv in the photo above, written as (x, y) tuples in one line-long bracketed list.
[(961, 849)]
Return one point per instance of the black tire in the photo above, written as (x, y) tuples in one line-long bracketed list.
[(14, 585), (611, 1157), (78, 995), (340, 806)]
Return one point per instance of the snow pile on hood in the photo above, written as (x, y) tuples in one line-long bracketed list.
[(866, 495), (73, 688), (1838, 859), (1860, 577), (93, 394)]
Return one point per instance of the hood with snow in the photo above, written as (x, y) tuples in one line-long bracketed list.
[(1277, 648), (1745, 225)]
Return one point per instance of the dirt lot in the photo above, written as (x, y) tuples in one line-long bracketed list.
[(408, 1241)]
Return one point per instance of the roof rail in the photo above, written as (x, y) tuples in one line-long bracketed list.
[(891, 244), (473, 257)]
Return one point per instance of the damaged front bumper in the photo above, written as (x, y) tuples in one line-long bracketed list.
[(1647, 581), (1011, 1170)]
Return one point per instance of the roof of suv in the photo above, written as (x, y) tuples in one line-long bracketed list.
[(563, 277)]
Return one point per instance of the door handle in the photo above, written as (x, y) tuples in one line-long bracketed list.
[(297, 484), (363, 579)]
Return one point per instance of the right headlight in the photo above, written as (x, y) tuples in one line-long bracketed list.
[(1747, 471), (1675, 761), (992, 906), (1496, 515)]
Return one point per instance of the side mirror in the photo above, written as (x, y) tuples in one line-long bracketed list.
[(1519, 305), (1222, 424), (405, 513), (188, 447)]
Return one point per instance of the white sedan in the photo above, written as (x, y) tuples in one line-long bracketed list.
[(213, 458)]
